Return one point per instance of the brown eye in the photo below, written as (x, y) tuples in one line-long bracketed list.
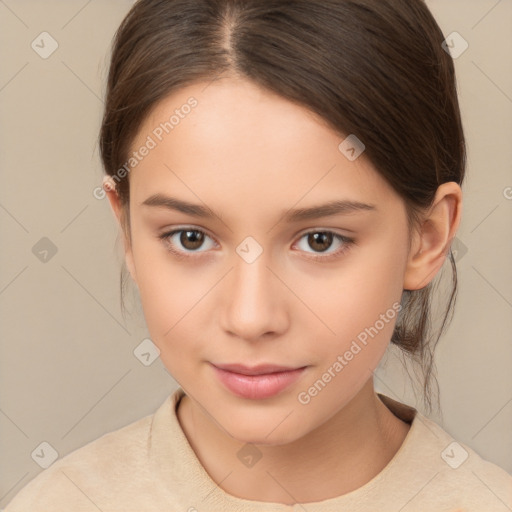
[(321, 240), (192, 239), (184, 241)]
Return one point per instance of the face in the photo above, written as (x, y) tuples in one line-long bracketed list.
[(258, 281)]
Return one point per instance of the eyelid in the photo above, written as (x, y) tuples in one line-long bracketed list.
[(185, 227)]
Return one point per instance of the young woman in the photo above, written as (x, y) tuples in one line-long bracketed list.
[(287, 179)]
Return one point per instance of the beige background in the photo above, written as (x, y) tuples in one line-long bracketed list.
[(68, 373)]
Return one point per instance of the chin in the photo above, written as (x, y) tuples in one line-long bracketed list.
[(263, 439), (269, 431)]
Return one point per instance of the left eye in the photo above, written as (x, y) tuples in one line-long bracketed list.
[(322, 240), (193, 239)]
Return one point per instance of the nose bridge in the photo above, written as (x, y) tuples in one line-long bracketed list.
[(253, 303), (251, 277)]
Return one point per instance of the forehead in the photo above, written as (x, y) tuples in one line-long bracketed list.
[(230, 140)]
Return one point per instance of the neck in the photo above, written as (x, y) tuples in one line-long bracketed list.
[(341, 455)]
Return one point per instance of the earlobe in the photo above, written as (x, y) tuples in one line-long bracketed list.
[(432, 241), (115, 203)]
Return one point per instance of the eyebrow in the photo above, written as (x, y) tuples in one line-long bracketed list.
[(336, 207)]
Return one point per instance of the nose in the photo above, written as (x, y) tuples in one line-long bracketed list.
[(256, 304)]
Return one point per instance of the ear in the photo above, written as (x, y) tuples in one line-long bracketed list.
[(109, 187), (431, 243)]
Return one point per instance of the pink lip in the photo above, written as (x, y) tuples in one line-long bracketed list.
[(257, 382)]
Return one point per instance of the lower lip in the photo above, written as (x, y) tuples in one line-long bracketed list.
[(257, 387)]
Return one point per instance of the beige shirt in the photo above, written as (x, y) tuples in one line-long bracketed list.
[(149, 466)]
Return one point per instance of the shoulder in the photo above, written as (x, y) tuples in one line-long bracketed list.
[(434, 471), (91, 474), (457, 475)]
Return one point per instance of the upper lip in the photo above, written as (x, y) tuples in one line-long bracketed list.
[(260, 369)]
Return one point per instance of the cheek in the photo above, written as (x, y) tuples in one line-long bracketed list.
[(360, 305), (363, 318), (168, 293), (369, 284), (170, 307)]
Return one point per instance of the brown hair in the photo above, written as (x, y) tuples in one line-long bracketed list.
[(373, 68)]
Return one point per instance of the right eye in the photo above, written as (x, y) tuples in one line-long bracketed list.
[(189, 238)]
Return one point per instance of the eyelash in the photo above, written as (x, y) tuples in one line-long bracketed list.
[(347, 243)]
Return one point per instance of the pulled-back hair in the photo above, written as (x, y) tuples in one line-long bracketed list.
[(373, 68)]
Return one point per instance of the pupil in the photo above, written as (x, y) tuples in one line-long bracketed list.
[(191, 237), (325, 240)]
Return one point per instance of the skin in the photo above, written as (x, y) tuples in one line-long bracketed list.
[(252, 155)]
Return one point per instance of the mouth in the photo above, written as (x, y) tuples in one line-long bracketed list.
[(257, 382), (261, 369)]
